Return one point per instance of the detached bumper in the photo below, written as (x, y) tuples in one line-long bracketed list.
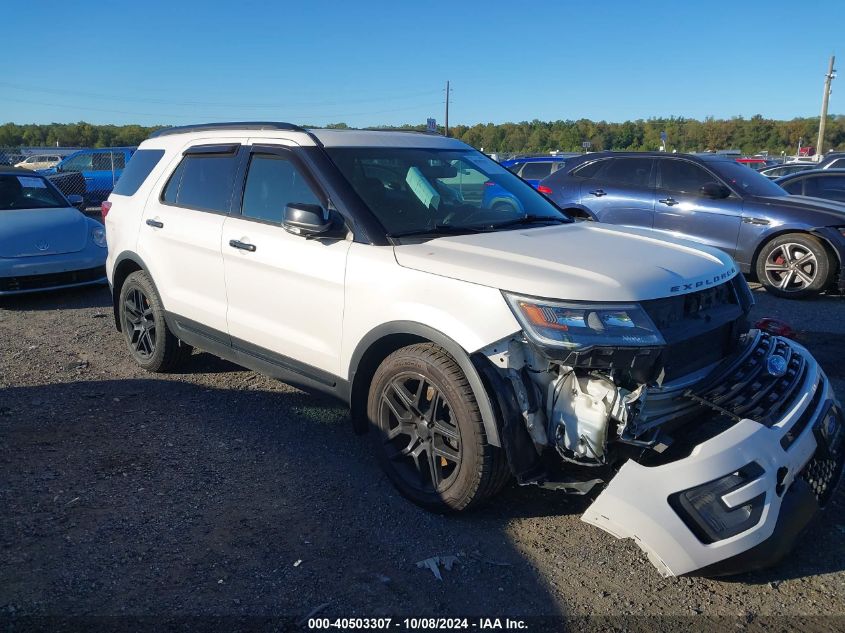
[(799, 475)]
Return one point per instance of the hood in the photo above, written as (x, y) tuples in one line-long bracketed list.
[(583, 261), (819, 212), (33, 232)]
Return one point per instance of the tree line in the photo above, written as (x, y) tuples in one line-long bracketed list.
[(750, 136)]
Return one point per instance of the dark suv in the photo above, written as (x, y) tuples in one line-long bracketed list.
[(794, 245)]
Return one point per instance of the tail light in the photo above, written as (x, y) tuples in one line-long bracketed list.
[(105, 207), (544, 190)]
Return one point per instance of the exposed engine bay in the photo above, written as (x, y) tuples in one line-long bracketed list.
[(594, 407)]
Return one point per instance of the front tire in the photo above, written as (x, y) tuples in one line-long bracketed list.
[(149, 341), (428, 433), (794, 266)]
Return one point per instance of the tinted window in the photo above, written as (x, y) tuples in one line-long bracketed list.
[(204, 182), (536, 171), (628, 171), (837, 164), (140, 165), (119, 160), (795, 187), (272, 183), (831, 187), (683, 176), (589, 170), (515, 168)]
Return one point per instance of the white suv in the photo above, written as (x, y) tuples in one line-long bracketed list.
[(477, 344)]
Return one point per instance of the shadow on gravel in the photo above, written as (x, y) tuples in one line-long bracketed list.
[(71, 298), (167, 498)]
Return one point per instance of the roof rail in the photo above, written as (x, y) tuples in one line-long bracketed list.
[(243, 125)]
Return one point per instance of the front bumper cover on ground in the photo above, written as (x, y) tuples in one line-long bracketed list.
[(636, 502)]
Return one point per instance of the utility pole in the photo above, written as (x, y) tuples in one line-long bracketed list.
[(447, 108), (830, 76)]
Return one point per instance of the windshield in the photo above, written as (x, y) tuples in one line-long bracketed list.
[(745, 180), (28, 192), (413, 190)]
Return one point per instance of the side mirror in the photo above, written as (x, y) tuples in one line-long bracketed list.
[(306, 219), (77, 201), (715, 190)]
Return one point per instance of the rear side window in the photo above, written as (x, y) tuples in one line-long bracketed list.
[(796, 187), (140, 165), (203, 182), (271, 184), (628, 171), (536, 171), (589, 170), (837, 164)]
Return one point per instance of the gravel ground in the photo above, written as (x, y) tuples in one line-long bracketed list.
[(221, 492)]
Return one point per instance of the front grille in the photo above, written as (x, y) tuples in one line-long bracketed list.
[(37, 282), (700, 328), (746, 389)]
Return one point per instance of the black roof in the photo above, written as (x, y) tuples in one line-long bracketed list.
[(704, 156), (837, 171)]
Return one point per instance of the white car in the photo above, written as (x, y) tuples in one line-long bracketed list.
[(477, 345), (40, 161)]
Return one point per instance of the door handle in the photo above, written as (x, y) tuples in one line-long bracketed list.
[(242, 245), (155, 224), (670, 202), (598, 193)]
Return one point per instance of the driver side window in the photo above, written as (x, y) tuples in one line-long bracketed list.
[(272, 183), (683, 177)]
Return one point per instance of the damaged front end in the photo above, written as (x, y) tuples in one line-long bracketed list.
[(715, 446)]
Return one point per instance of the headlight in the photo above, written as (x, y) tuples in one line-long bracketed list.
[(98, 235), (705, 512), (573, 325)]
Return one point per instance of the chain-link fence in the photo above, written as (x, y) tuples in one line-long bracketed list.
[(85, 176)]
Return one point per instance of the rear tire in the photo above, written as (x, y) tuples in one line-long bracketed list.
[(794, 266), (149, 341), (428, 433)]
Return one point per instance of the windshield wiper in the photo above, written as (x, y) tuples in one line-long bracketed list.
[(528, 219), (442, 229)]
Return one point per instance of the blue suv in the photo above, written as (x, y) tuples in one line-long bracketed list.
[(100, 169), (794, 245)]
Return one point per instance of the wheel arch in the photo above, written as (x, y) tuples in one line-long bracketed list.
[(125, 264), (385, 339), (787, 230)]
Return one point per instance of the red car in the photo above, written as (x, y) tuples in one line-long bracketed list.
[(755, 163)]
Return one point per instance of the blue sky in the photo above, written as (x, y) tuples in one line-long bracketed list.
[(382, 62)]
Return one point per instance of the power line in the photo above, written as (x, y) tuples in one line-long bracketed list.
[(170, 102), (194, 117)]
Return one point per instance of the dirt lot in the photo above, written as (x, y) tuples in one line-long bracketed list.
[(221, 492)]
